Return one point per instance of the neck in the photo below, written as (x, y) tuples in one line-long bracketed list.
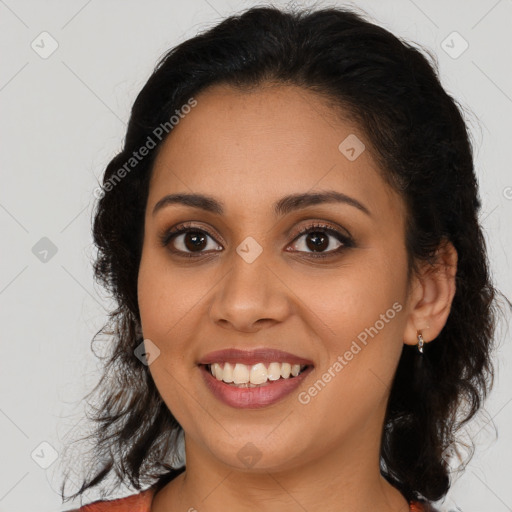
[(346, 479)]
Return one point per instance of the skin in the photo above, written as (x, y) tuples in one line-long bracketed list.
[(248, 149)]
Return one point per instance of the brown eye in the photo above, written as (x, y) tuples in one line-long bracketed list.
[(317, 241), (320, 241), (194, 240), (188, 241)]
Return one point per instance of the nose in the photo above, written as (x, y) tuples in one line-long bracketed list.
[(250, 296)]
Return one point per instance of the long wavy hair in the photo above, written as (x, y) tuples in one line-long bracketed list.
[(392, 91)]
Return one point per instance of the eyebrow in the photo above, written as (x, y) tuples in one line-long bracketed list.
[(283, 206)]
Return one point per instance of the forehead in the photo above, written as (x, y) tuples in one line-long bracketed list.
[(266, 143)]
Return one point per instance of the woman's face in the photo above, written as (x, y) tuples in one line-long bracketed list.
[(243, 278)]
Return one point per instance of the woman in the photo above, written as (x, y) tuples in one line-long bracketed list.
[(291, 235)]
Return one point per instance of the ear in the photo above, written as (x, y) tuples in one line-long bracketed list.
[(431, 296)]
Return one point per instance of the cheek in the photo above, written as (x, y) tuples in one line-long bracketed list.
[(164, 297), (149, 294), (361, 311), (161, 311), (353, 299)]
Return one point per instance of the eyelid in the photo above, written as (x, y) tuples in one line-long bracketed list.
[(334, 228), (347, 240), (166, 235)]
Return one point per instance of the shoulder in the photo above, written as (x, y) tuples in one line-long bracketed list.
[(422, 506), (140, 502)]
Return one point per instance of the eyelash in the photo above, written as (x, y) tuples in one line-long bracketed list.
[(169, 235)]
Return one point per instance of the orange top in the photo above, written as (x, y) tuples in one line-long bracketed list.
[(142, 503)]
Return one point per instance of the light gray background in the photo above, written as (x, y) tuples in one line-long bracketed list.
[(63, 118)]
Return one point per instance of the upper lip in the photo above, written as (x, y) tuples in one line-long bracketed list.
[(251, 357)]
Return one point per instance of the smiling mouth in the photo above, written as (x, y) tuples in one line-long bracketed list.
[(240, 375)]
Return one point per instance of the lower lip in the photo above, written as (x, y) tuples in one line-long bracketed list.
[(252, 398)]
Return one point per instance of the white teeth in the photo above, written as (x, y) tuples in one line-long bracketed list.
[(217, 371), (274, 371), (227, 373), (257, 374), (241, 374), (286, 369)]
